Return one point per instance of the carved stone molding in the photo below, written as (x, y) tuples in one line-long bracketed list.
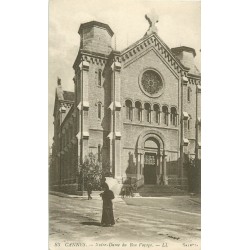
[(116, 66)]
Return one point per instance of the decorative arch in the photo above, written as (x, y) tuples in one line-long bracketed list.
[(156, 103), (138, 110), (147, 109), (129, 109), (165, 112), (156, 113), (173, 116), (157, 135), (128, 99)]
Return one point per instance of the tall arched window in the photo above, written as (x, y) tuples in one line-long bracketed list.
[(188, 94), (99, 152), (165, 115), (138, 111), (99, 112), (99, 77), (128, 105), (189, 122), (173, 116), (156, 113), (147, 112)]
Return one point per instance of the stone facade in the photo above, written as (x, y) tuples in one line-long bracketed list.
[(137, 110)]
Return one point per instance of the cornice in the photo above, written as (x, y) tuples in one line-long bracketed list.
[(158, 44), (194, 79), (91, 57), (62, 102), (96, 24)]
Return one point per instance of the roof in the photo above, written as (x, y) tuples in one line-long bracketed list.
[(183, 48), (68, 96), (192, 67), (161, 42), (97, 24)]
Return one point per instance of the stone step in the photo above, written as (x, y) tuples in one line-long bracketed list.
[(158, 191)]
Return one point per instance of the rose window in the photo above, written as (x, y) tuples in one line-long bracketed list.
[(151, 82)]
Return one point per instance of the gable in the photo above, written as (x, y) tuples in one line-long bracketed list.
[(151, 58), (62, 96), (147, 43)]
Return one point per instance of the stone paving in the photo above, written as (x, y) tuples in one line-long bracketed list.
[(156, 223)]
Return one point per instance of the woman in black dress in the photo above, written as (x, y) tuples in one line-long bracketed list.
[(107, 209)]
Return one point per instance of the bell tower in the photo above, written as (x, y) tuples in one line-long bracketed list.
[(95, 37)]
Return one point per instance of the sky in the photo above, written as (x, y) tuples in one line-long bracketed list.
[(179, 25)]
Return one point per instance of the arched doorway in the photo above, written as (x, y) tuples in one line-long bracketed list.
[(151, 148)]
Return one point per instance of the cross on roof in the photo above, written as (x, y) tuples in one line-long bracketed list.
[(152, 18)]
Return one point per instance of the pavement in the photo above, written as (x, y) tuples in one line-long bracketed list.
[(141, 222)]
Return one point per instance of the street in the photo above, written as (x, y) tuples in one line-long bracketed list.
[(156, 223)]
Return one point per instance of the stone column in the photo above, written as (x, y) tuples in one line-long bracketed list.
[(142, 164), (160, 117), (138, 165), (183, 83), (116, 83), (78, 136), (160, 163), (142, 114), (197, 123), (164, 167), (85, 106)]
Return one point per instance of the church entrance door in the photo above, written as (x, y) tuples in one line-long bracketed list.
[(150, 168)]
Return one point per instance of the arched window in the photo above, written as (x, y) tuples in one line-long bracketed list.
[(165, 115), (189, 122), (156, 113), (173, 116), (138, 111), (128, 105), (99, 112), (99, 77), (188, 94), (147, 112), (99, 152)]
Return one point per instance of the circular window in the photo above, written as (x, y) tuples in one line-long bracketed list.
[(151, 83)]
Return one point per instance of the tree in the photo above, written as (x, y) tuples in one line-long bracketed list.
[(94, 171), (193, 168)]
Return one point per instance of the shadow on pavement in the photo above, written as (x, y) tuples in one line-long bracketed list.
[(91, 223)]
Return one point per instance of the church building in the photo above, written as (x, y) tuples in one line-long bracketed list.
[(137, 110)]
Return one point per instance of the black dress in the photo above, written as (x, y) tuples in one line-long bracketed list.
[(107, 209)]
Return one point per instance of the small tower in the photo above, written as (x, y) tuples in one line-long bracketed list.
[(186, 56), (95, 37)]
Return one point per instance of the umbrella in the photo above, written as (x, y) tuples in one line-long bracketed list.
[(113, 185)]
